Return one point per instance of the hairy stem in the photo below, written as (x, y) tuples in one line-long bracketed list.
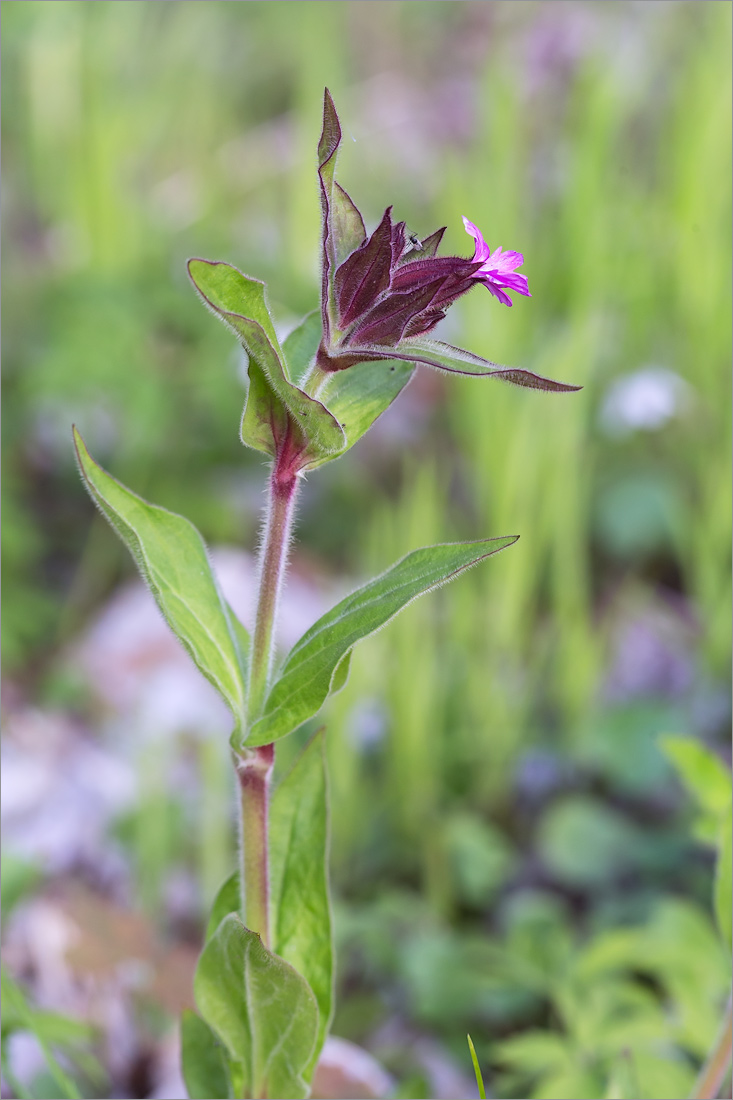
[(273, 560), (254, 766), (718, 1061), (253, 773)]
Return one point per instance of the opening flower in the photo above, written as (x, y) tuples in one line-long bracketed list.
[(498, 268)]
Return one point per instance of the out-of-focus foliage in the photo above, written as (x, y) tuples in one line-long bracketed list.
[(507, 832)]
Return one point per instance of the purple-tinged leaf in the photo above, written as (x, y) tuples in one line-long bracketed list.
[(433, 353), (424, 322), (428, 248), (347, 224), (327, 151), (330, 138), (456, 360), (420, 272), (387, 321), (453, 287), (398, 242), (365, 274)]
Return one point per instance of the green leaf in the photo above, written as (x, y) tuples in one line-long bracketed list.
[(341, 675), (307, 676), (301, 345), (239, 301), (172, 559), (357, 396), (299, 895), (703, 773), (228, 900), (265, 418), (261, 1008), (723, 878), (204, 1061)]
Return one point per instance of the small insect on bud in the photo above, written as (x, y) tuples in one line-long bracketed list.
[(414, 244)]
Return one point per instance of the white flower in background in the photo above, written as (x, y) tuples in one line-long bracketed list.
[(645, 400)]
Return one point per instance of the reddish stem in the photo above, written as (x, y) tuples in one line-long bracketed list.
[(254, 772), (254, 766)]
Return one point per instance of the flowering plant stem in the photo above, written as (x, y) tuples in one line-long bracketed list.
[(254, 766), (264, 981)]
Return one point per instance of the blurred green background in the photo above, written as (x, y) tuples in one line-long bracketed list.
[(502, 806)]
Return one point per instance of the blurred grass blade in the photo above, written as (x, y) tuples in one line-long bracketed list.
[(723, 889), (239, 301), (476, 1069), (299, 894), (204, 1062), (307, 676), (261, 1008), (18, 1015), (172, 559)]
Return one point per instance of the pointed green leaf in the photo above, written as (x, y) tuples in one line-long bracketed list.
[(260, 1007), (228, 900), (239, 302), (301, 908), (204, 1061), (433, 353), (306, 678), (172, 559), (301, 345)]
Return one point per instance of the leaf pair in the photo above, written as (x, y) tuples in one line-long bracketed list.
[(280, 418), (265, 1014), (171, 556)]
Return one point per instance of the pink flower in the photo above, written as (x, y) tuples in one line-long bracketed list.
[(497, 268)]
